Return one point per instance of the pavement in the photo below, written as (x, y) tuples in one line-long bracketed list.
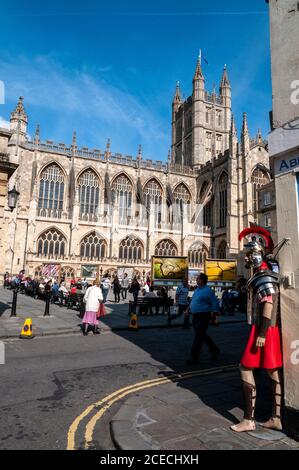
[(194, 414), (64, 321)]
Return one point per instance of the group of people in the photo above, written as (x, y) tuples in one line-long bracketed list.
[(233, 299), (121, 287)]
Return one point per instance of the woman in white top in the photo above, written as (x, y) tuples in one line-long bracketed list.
[(92, 298)]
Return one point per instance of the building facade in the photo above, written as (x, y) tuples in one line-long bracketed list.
[(284, 157), (90, 208)]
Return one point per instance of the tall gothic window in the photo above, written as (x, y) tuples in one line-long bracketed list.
[(51, 244), (122, 194), (89, 192), (153, 200), (67, 272), (93, 247), (197, 254), (258, 179), (166, 248), (207, 209), (221, 252), (222, 198), (51, 189), (131, 249), (182, 196)]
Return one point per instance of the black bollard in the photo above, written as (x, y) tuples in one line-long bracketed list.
[(47, 307), (14, 303)]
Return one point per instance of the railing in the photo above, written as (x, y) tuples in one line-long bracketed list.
[(92, 218), (117, 158), (52, 214), (213, 98)]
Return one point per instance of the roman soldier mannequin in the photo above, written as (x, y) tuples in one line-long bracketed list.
[(263, 349)]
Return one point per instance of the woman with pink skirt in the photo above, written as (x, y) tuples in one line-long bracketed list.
[(92, 298)]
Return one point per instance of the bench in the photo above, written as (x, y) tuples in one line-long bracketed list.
[(145, 305), (75, 301)]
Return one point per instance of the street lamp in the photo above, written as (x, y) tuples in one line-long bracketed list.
[(13, 196)]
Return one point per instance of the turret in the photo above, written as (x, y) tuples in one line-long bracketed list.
[(176, 103), (19, 120), (245, 139), (233, 139), (225, 89), (198, 82)]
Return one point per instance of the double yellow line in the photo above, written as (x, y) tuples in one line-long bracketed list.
[(114, 397)]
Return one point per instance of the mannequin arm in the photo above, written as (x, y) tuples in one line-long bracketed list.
[(265, 323)]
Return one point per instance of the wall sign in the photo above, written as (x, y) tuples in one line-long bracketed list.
[(287, 164)]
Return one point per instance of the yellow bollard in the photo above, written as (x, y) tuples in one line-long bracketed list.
[(133, 322), (27, 331)]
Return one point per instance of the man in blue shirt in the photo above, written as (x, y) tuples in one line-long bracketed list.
[(203, 304)]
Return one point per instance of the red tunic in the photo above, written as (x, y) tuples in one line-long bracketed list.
[(270, 356)]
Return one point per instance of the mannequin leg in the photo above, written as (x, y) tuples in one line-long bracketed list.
[(249, 390), (277, 394)]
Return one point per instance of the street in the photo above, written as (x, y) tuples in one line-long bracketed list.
[(47, 382)]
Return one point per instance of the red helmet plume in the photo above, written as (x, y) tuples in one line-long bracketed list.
[(265, 236)]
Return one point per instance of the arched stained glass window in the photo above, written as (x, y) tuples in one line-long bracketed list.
[(182, 200), (221, 252), (122, 194), (51, 244), (51, 188), (153, 200), (67, 272), (258, 179), (207, 209), (89, 192), (166, 248), (197, 254), (222, 198), (93, 247), (131, 249)]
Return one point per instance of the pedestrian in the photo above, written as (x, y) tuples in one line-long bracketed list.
[(55, 291), (204, 303), (125, 282), (135, 289), (242, 299), (182, 302), (116, 289), (92, 298), (105, 286)]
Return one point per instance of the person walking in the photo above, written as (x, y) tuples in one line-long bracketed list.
[(116, 289), (105, 285), (125, 286), (134, 289), (182, 302), (203, 304), (92, 298)]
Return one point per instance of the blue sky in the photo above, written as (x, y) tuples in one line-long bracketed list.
[(109, 69)]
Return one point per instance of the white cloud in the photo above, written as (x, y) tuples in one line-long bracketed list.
[(3, 123), (99, 108)]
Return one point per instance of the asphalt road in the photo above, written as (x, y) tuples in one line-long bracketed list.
[(47, 382)]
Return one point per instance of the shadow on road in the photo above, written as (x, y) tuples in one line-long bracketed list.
[(220, 391)]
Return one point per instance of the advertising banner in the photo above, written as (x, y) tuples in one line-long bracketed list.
[(89, 271), (51, 270), (221, 270), (169, 271)]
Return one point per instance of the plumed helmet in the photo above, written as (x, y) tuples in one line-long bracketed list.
[(259, 243)]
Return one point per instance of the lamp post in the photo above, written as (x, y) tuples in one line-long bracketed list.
[(13, 196)]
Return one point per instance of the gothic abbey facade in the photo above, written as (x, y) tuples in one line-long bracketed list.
[(81, 207)]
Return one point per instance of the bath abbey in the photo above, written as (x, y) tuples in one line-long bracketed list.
[(98, 210)]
